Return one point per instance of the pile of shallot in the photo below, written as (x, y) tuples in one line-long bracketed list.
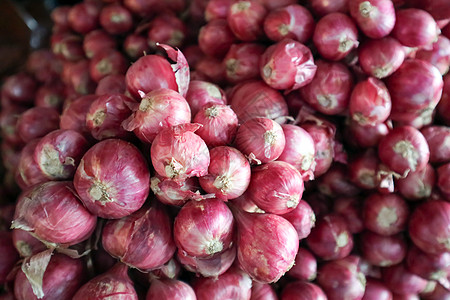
[(230, 149)]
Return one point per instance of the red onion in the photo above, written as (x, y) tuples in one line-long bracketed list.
[(135, 46), (116, 19), (167, 29), (59, 16), (26, 244), (376, 290), (151, 72), (324, 7), (170, 270), (305, 267), (112, 179), (350, 209), (9, 255), (228, 173), (212, 266), (168, 289), (8, 124), (335, 182), (74, 114), (106, 63), (370, 102), (376, 18), (335, 36), (219, 122), (115, 283), (330, 239), (20, 88), (329, 91), (429, 266), (174, 192), (28, 172), (438, 139), (111, 84), (44, 65), (234, 284), (293, 21), (261, 139), (271, 260), (246, 204), (51, 96), (179, 153), (256, 99), (146, 8), (204, 228), (342, 279), (59, 152), (262, 291), (401, 281), (287, 64), (324, 144), (69, 48), (382, 57), (415, 28), (366, 136), (61, 279), (439, 56), (275, 187), (437, 292), (217, 9), (37, 122), (302, 218), (98, 41), (443, 107), (211, 69), (363, 169), (428, 227), (443, 173), (242, 62), (404, 149), (159, 109), (83, 17), (53, 213), (301, 290), (142, 240), (78, 78), (417, 185), (246, 19), (302, 158), (383, 251), (201, 93), (215, 38)]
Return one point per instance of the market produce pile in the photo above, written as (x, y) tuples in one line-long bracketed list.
[(223, 149)]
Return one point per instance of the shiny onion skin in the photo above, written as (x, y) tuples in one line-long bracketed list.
[(415, 28), (428, 227), (287, 65), (305, 267), (175, 192), (265, 262), (53, 213), (74, 114), (376, 290), (112, 179), (25, 244), (302, 218), (201, 93), (324, 7), (335, 36), (20, 88), (116, 19), (37, 122), (382, 251), (28, 172), (9, 255), (246, 19), (401, 281), (438, 139), (417, 185), (215, 38), (111, 84), (178, 153), (228, 173), (263, 291), (62, 278), (106, 63), (142, 240), (404, 149), (439, 55), (261, 139), (302, 290), (169, 289), (233, 284), (242, 62), (363, 169), (159, 109), (204, 228), (115, 283), (276, 187)]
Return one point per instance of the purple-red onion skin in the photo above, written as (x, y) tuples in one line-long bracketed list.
[(376, 18), (302, 218), (28, 172), (382, 251), (302, 290), (115, 283), (201, 93), (242, 62), (324, 145), (37, 122), (175, 192), (263, 291), (26, 244), (305, 267), (324, 7), (417, 185), (53, 212), (439, 55), (9, 255), (415, 27), (401, 281), (438, 139), (376, 290), (113, 179), (443, 179), (142, 239), (111, 84), (246, 19), (350, 209), (428, 266), (168, 289), (74, 114)]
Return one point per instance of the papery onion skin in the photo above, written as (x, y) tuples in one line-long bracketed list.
[(404, 149), (302, 290), (179, 153), (112, 179), (417, 185), (305, 267), (159, 109), (287, 65), (114, 283), (276, 187), (438, 139), (228, 173), (26, 244), (383, 251), (9, 255), (62, 278), (376, 290), (168, 289), (401, 281), (170, 270), (330, 239), (142, 239), (302, 218), (242, 62), (428, 227), (262, 137), (175, 192), (204, 228), (376, 18), (265, 262), (201, 93), (415, 27)]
